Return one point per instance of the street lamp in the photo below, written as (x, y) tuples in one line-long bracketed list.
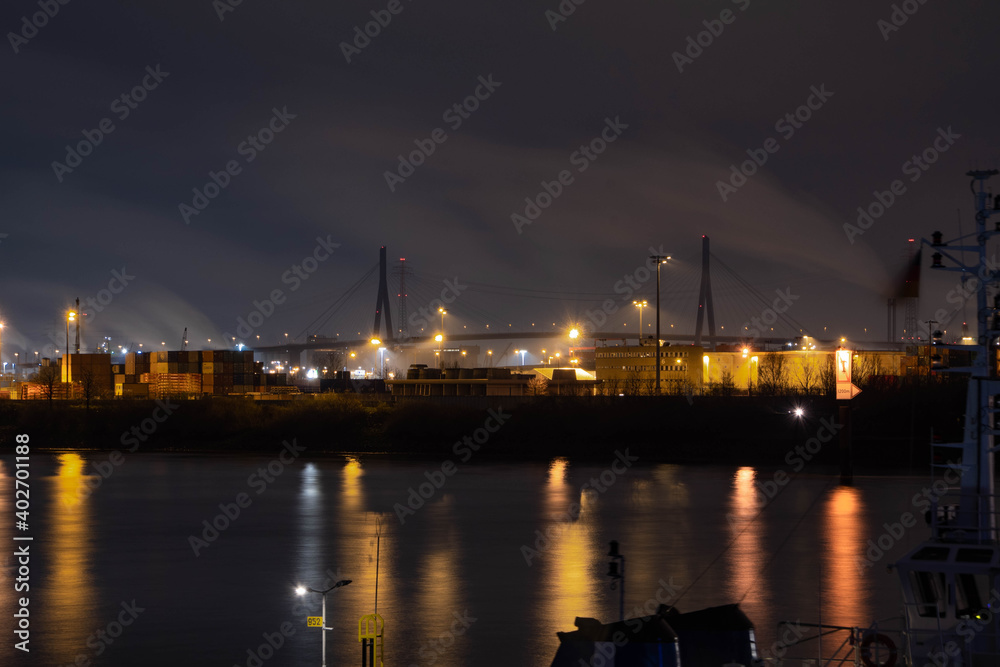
[(660, 259), (521, 352), (640, 305), (443, 313), (70, 317), (302, 590)]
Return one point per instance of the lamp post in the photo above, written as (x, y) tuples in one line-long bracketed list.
[(70, 317), (660, 259), (640, 305), (302, 590), (616, 570), (443, 313)]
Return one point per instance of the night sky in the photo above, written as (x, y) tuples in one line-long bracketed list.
[(211, 76)]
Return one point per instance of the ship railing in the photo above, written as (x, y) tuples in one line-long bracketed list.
[(839, 645), (951, 648), (950, 521)]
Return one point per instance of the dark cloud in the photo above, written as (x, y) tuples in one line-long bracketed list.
[(325, 173)]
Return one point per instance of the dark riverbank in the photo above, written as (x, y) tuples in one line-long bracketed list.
[(890, 429)]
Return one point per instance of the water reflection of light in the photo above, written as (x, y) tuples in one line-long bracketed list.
[(309, 552), (557, 469), (570, 551), (70, 601), (351, 484), (441, 593), (747, 556), (844, 599)]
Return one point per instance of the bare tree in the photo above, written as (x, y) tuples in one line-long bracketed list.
[(538, 386), (632, 384), (828, 377), (809, 380), (90, 386), (49, 377), (772, 375), (727, 383), (867, 368), (333, 360)]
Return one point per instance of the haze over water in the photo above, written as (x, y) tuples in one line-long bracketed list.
[(458, 558)]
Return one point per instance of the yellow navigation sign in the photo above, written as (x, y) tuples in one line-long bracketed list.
[(314, 621)]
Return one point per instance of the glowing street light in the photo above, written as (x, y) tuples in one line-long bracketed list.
[(302, 590), (70, 317), (521, 352), (660, 259), (574, 333), (640, 305), (443, 313)]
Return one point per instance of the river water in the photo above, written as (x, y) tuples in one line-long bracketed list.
[(118, 576)]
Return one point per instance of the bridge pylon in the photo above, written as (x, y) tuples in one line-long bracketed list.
[(382, 303)]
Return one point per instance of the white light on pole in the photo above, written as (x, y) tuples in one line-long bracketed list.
[(302, 590)]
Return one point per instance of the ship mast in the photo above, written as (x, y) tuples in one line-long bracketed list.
[(975, 454)]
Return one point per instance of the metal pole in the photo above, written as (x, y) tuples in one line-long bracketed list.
[(323, 629), (79, 316), (658, 262)]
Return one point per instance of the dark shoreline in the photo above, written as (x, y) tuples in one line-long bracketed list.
[(890, 429)]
